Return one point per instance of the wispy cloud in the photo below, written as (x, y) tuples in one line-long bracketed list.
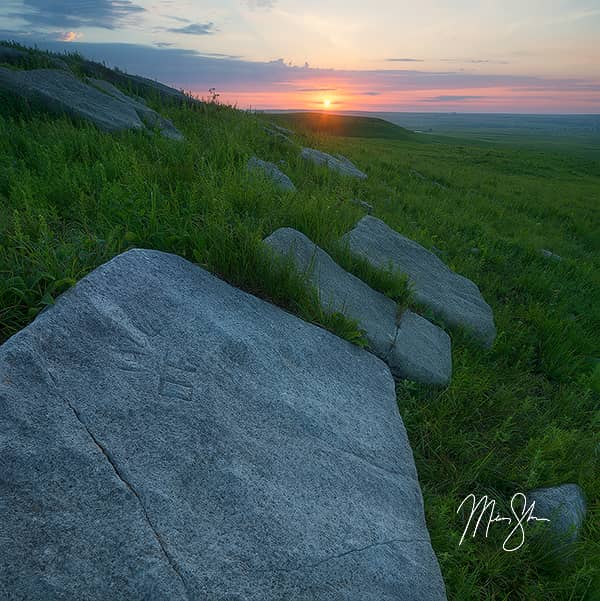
[(474, 61), (453, 98), (258, 4), (194, 29), (404, 60), (315, 89)]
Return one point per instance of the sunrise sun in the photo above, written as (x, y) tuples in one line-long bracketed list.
[(326, 103)]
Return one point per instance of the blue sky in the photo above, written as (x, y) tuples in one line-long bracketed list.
[(466, 55)]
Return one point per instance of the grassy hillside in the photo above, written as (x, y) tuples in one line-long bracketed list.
[(522, 415), (342, 125)]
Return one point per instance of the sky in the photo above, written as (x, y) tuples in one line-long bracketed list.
[(525, 56)]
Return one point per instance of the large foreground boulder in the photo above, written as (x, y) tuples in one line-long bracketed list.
[(340, 164), (452, 297), (167, 436), (270, 170), (414, 348), (60, 92)]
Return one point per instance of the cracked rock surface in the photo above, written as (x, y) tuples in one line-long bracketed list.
[(167, 436), (454, 298), (414, 348)]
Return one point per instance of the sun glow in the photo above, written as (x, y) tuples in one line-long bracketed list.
[(327, 103)]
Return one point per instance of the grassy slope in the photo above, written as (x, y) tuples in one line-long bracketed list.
[(523, 415), (337, 125)]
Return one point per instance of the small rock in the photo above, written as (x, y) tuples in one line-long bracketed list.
[(339, 164), (364, 205), (456, 299), (415, 349), (475, 251), (564, 506), (278, 135), (422, 177), (271, 170), (282, 130), (548, 254)]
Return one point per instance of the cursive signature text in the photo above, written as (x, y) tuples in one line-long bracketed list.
[(487, 507)]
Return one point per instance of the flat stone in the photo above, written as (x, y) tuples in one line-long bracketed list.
[(278, 135), (415, 349), (167, 436), (454, 298), (422, 351), (363, 205), (564, 506), (60, 92), (150, 118), (272, 171), (434, 182), (282, 130), (338, 163), (548, 254)]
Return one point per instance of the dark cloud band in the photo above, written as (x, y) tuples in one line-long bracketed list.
[(74, 14)]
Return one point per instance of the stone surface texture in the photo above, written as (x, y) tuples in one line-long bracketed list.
[(564, 506), (60, 92), (167, 436), (454, 298), (414, 349), (338, 163), (272, 171), (150, 118)]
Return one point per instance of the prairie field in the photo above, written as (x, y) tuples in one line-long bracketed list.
[(522, 415)]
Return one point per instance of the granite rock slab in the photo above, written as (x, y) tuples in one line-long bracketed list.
[(454, 298), (271, 171), (167, 436), (414, 348), (338, 163)]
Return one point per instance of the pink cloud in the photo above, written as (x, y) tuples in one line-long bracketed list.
[(70, 36)]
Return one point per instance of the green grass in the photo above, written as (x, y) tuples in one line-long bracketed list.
[(338, 125), (522, 415)]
